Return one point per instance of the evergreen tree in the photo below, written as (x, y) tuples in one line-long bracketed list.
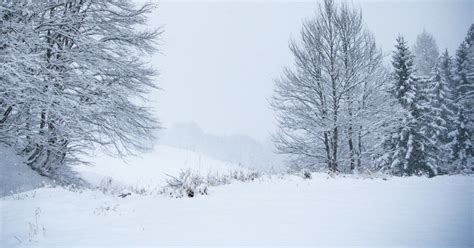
[(464, 74), (404, 88), (463, 88), (440, 114), (409, 147), (426, 54), (461, 145)]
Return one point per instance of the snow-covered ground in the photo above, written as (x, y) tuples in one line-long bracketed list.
[(277, 210), (151, 170), (289, 211), (15, 176)]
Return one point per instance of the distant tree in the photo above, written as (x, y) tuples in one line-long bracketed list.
[(426, 54)]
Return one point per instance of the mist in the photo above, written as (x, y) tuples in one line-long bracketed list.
[(218, 60)]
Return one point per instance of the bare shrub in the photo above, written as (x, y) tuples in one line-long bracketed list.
[(35, 228), (306, 174), (187, 183), (190, 183)]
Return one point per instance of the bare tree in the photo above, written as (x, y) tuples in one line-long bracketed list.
[(74, 78), (326, 98)]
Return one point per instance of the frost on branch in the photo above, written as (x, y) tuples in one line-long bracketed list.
[(187, 183), (73, 79)]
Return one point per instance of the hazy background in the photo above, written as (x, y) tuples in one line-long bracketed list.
[(218, 59)]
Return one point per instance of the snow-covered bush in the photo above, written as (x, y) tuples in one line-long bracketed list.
[(306, 174), (235, 175), (243, 176), (140, 190), (216, 179), (190, 183), (187, 183), (106, 185)]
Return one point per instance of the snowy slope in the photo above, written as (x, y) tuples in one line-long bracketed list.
[(288, 211), (15, 176), (147, 171), (150, 170), (237, 149)]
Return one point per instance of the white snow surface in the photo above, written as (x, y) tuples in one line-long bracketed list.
[(16, 176), (288, 211), (151, 170), (273, 210)]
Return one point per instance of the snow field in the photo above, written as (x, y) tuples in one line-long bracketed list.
[(287, 211)]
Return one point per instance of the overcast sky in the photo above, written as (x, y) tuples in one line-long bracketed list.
[(218, 59)]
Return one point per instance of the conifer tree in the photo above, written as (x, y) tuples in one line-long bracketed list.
[(440, 114), (426, 54), (463, 91), (408, 146), (461, 145), (464, 74)]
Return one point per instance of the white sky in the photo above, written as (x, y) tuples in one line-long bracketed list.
[(218, 59)]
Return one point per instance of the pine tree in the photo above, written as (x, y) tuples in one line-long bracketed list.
[(440, 114), (426, 54), (464, 74), (463, 91), (461, 146), (404, 88), (408, 146)]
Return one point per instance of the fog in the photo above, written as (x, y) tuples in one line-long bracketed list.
[(218, 60)]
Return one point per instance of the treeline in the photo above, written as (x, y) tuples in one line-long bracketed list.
[(339, 108), (72, 79)]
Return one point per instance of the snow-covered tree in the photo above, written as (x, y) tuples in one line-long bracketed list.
[(440, 111), (404, 81), (326, 106), (74, 78), (463, 91), (426, 54), (19, 65), (408, 149), (461, 145), (464, 75)]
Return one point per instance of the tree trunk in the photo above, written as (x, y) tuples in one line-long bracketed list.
[(351, 144), (6, 114), (351, 148), (38, 148), (335, 131), (328, 151), (359, 146)]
